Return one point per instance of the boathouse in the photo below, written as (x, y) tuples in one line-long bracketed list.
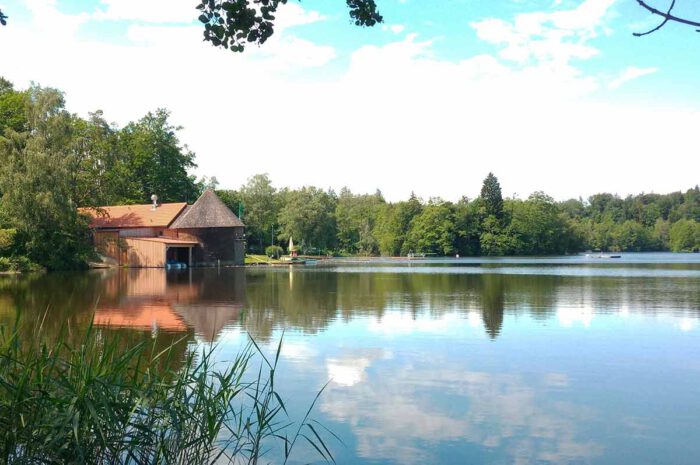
[(205, 233)]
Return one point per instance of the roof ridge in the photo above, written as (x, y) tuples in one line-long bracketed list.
[(208, 211)]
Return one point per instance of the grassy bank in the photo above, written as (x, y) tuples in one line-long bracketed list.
[(109, 401), (252, 259)]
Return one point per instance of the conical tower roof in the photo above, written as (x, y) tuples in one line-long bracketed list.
[(207, 212)]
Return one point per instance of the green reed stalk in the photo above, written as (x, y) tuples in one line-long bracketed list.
[(109, 401)]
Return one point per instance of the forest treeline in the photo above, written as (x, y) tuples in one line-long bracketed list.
[(323, 221), (53, 161)]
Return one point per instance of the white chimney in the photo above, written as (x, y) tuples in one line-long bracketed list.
[(154, 198)]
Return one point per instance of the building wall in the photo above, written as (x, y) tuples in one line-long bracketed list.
[(216, 245), (107, 243), (145, 254)]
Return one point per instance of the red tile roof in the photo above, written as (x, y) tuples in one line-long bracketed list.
[(134, 216)]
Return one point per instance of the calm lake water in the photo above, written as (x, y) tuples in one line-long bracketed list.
[(564, 360)]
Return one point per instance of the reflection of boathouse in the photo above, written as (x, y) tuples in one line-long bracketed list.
[(153, 300), (205, 233)]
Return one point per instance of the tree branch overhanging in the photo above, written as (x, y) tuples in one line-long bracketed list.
[(667, 16)]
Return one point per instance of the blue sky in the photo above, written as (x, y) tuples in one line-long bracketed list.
[(550, 95)]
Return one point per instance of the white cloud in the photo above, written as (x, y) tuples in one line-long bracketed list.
[(395, 28), (686, 324), (150, 11), (292, 15), (298, 351), (50, 22), (568, 316), (399, 323), (630, 73), (556, 36)]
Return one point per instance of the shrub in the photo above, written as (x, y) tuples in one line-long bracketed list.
[(21, 264), (274, 251), (7, 241)]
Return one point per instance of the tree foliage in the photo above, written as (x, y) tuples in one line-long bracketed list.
[(260, 210), (308, 216), (356, 218), (433, 231), (157, 161), (684, 236), (393, 224), (366, 224), (233, 24), (492, 197), (36, 185)]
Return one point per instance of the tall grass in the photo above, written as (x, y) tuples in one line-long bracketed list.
[(109, 401)]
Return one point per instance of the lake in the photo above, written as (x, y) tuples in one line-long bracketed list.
[(561, 360)]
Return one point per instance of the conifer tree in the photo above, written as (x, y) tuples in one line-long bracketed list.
[(491, 195)]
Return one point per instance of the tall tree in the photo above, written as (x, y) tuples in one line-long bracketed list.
[(260, 211), (538, 227), (308, 215), (35, 181), (492, 197), (12, 108), (156, 159), (433, 230), (356, 217), (393, 224)]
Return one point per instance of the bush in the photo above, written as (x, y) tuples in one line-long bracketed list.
[(7, 241), (18, 264), (274, 251)]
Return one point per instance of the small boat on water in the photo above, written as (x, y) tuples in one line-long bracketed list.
[(602, 256), (289, 260)]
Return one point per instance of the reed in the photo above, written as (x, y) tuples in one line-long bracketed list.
[(109, 401)]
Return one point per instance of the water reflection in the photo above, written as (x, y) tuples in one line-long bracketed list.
[(498, 412), (433, 367), (206, 301), (151, 299)]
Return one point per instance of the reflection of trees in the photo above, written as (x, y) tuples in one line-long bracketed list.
[(493, 302), (66, 299), (287, 298), (315, 298), (204, 301)]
